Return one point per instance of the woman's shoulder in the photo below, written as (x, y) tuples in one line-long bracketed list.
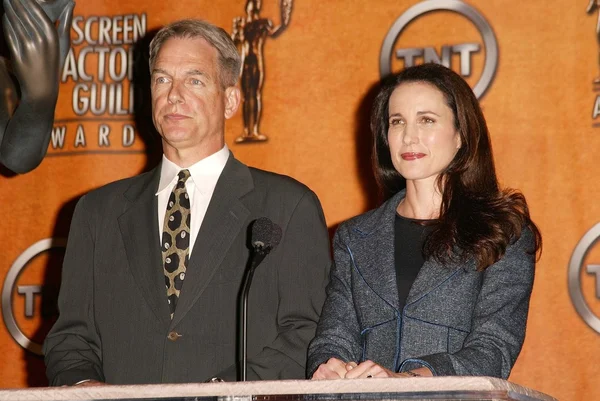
[(359, 223), (524, 242), (373, 220), (519, 257)]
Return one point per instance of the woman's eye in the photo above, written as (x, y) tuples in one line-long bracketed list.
[(396, 121), (428, 120)]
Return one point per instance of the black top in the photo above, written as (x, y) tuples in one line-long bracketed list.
[(409, 236)]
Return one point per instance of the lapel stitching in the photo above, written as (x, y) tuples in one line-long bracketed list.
[(367, 283)]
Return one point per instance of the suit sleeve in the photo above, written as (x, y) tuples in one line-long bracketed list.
[(72, 348), (302, 268), (338, 332), (499, 319)]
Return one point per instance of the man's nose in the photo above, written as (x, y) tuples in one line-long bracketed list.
[(175, 93)]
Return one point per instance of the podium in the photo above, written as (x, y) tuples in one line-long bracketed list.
[(419, 388)]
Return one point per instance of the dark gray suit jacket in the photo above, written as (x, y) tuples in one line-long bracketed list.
[(456, 321), (114, 320)]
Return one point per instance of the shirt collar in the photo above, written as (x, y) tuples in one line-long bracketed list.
[(204, 173)]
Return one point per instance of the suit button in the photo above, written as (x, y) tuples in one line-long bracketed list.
[(173, 336)]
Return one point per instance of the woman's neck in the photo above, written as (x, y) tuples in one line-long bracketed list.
[(422, 200)]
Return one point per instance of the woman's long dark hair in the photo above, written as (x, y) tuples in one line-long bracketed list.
[(477, 218)]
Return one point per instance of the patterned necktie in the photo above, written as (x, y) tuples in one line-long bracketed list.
[(176, 239)]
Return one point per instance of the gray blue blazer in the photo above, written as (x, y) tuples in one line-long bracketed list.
[(456, 321)]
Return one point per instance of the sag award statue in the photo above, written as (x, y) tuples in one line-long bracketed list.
[(594, 5), (29, 81), (249, 34)]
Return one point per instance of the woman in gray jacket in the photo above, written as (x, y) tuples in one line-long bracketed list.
[(437, 280)]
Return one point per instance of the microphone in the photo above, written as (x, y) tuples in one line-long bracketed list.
[(264, 238)]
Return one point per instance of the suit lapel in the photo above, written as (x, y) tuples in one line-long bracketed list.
[(431, 276), (378, 238), (225, 218), (139, 230), (373, 252)]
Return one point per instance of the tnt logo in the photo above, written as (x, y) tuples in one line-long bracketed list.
[(584, 278), (30, 292), (447, 32)]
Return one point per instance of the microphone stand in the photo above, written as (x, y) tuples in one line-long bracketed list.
[(260, 252)]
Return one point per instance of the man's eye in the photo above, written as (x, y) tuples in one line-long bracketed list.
[(195, 81), (161, 80)]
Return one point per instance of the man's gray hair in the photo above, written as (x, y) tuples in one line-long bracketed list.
[(229, 59)]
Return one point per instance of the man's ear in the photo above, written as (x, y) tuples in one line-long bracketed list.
[(232, 101)]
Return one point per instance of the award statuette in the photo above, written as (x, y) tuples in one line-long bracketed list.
[(249, 34)]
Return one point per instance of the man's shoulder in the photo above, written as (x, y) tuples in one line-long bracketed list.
[(278, 183), (116, 189)]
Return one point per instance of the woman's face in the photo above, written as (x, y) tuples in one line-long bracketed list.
[(421, 134)]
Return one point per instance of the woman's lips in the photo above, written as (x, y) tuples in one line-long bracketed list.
[(412, 155)]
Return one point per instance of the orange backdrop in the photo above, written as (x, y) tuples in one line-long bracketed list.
[(319, 81)]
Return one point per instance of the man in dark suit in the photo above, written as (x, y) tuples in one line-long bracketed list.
[(154, 263)]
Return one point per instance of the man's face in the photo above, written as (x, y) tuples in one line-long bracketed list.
[(189, 104)]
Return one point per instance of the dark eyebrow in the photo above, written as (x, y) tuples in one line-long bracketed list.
[(158, 71), (427, 112), (188, 73), (195, 72)]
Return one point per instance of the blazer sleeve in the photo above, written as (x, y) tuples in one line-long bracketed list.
[(72, 348), (303, 267), (499, 319), (338, 332)]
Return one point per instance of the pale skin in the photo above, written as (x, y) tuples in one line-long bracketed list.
[(337, 369), (423, 141), (189, 101)]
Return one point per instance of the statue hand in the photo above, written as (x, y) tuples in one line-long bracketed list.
[(8, 96), (64, 29), (286, 11), (237, 31), (37, 47), (238, 22), (62, 11)]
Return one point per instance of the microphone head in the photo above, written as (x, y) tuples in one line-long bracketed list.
[(262, 230), (265, 234)]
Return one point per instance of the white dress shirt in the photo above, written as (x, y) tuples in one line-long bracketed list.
[(200, 188)]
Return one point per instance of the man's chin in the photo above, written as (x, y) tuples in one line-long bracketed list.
[(176, 135)]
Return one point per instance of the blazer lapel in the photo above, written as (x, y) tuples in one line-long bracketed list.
[(431, 276), (225, 218), (380, 272), (139, 230), (377, 238)]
